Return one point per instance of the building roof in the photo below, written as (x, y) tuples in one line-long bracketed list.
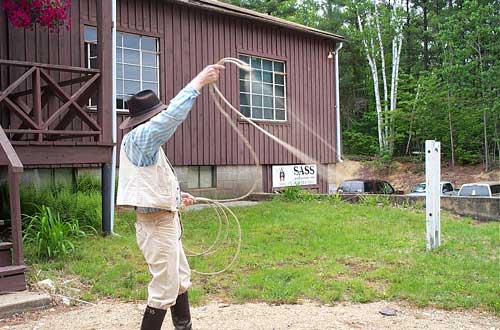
[(228, 9)]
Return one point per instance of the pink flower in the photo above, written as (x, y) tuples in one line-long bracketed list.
[(47, 13)]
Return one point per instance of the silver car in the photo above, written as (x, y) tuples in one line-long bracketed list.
[(480, 189), (447, 189)]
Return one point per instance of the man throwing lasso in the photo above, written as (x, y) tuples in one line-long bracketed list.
[(147, 181)]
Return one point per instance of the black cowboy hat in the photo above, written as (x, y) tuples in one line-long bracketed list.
[(142, 107)]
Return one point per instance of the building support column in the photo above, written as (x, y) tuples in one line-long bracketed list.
[(105, 111), (106, 186)]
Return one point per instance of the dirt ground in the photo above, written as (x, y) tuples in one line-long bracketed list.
[(310, 316)]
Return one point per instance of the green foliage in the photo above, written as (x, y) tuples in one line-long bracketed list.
[(291, 193), (84, 207), (48, 236), (374, 200), (359, 143), (88, 184)]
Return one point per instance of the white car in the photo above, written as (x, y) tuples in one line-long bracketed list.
[(447, 189), (480, 189)]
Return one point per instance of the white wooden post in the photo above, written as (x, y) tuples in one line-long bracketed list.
[(433, 193)]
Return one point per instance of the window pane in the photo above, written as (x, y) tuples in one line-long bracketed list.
[(280, 114), (150, 74), (148, 44), (149, 59), (268, 113), (119, 102), (268, 89), (256, 113), (256, 63), (244, 74), (267, 65), (119, 39), (279, 91), (131, 56), (119, 71), (90, 34), (93, 50), (279, 67), (131, 87), (257, 100), (93, 63), (206, 177), (245, 111), (267, 77), (119, 54), (245, 58), (244, 86), (256, 88), (279, 79), (268, 102), (119, 86), (244, 99), (256, 75), (151, 86), (280, 103), (131, 72), (131, 41)]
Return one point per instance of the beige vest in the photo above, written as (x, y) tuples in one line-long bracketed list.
[(154, 186)]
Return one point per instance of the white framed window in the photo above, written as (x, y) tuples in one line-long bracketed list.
[(137, 63), (263, 89)]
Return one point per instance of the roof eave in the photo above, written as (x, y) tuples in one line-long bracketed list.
[(228, 9)]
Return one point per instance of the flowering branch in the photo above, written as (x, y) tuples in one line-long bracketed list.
[(52, 14)]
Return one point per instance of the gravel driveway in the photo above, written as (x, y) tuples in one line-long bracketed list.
[(108, 315)]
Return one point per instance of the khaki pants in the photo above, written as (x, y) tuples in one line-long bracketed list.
[(158, 237)]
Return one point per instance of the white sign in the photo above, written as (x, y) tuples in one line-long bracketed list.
[(293, 175)]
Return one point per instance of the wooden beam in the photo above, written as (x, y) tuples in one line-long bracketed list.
[(71, 154), (8, 153), (105, 65), (52, 132), (8, 90), (70, 101), (15, 216), (49, 66), (37, 101), (61, 83), (19, 112)]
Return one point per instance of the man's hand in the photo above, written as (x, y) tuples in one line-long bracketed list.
[(209, 75), (187, 199)]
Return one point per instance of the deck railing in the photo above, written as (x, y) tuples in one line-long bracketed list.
[(15, 169), (52, 126)]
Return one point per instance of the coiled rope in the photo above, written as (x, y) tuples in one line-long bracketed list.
[(223, 213)]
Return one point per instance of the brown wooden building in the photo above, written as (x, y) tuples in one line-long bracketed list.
[(56, 105)]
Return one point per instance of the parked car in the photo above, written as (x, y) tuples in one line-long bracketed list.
[(447, 189), (368, 187), (480, 189)]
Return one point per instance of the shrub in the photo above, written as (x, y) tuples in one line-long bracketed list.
[(82, 207), (48, 236), (291, 193)]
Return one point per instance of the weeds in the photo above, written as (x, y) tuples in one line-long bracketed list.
[(49, 236), (375, 200), (88, 184)]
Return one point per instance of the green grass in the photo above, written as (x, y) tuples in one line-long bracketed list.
[(325, 251)]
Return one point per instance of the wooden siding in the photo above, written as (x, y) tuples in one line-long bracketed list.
[(190, 39)]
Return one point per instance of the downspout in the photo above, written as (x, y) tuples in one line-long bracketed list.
[(113, 121), (337, 103)]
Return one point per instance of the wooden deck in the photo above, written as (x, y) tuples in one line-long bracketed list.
[(45, 120)]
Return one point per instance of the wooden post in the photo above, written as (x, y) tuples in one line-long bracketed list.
[(105, 63), (433, 193), (37, 101), (15, 215)]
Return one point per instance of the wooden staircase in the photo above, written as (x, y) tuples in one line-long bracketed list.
[(11, 276)]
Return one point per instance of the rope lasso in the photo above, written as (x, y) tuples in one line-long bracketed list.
[(222, 211)]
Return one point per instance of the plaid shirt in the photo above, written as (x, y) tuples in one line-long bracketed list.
[(142, 144)]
